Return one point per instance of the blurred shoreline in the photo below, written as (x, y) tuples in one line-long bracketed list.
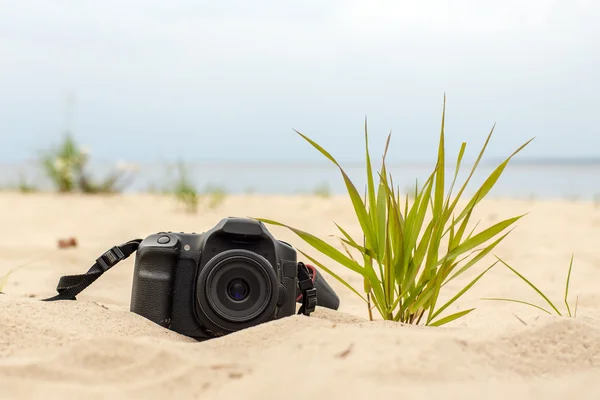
[(524, 179)]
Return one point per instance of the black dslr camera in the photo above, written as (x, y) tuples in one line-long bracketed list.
[(234, 276)]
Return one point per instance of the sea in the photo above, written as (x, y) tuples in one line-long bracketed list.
[(540, 179)]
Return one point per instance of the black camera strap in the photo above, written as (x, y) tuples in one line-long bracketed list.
[(69, 286)]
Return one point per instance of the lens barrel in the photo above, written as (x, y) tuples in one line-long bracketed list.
[(237, 289)]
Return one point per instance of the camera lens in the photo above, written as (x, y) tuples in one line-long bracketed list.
[(237, 289)]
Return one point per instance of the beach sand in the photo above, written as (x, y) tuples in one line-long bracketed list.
[(94, 348)]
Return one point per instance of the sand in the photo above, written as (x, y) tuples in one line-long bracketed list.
[(94, 348)]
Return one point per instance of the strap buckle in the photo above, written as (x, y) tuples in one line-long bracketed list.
[(110, 258), (309, 300), (308, 290)]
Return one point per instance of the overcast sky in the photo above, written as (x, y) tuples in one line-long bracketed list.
[(230, 80)]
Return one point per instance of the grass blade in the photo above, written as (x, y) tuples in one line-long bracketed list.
[(348, 239), (489, 183), (479, 256), (464, 186), (347, 251), (463, 291), (450, 318), (461, 154), (531, 285), (441, 168), (567, 285), (4, 280), (382, 217), (359, 206), (517, 301), (482, 237), (321, 246), (327, 270), (370, 201)]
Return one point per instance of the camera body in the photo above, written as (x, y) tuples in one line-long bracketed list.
[(233, 276)]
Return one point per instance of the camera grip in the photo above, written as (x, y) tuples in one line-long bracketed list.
[(153, 283), (326, 296)]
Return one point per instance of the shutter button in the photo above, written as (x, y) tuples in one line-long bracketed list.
[(164, 240)]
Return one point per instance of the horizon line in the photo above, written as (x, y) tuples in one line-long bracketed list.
[(529, 161)]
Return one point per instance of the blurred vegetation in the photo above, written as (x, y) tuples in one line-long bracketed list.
[(23, 185), (215, 195), (65, 166), (186, 192), (323, 190)]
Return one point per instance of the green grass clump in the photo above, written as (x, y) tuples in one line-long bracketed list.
[(65, 165), (409, 252)]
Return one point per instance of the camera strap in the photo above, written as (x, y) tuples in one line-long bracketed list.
[(308, 290), (69, 286)]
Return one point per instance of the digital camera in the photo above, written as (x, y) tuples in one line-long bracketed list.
[(233, 276)]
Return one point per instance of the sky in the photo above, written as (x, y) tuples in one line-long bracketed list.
[(230, 80)]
